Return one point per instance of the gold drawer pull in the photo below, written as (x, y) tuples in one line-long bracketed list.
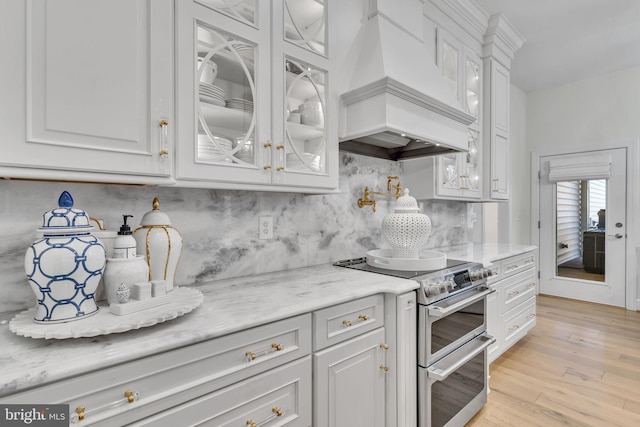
[(531, 285), (514, 327), (384, 346), (275, 413), (267, 167), (514, 293), (384, 368), (164, 138), (363, 317), (280, 168), (531, 316), (81, 412), (251, 356), (347, 323)]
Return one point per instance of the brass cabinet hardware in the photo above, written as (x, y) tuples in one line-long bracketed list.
[(280, 147), (347, 323), (266, 144), (250, 356), (384, 346), (279, 412), (80, 411), (250, 423), (363, 317), (164, 138), (276, 346), (280, 168), (384, 368), (514, 327), (267, 167)]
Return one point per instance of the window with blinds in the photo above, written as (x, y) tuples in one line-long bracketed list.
[(568, 221)]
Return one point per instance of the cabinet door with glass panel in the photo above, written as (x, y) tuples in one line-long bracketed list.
[(305, 107), (223, 101), (233, 84), (460, 175)]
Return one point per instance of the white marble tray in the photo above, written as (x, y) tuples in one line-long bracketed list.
[(426, 261), (183, 300)]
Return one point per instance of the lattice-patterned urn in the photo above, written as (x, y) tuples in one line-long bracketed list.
[(65, 266), (406, 229)]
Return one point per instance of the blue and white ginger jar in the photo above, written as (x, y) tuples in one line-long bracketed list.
[(65, 266)]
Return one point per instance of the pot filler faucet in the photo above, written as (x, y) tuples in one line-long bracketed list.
[(367, 201)]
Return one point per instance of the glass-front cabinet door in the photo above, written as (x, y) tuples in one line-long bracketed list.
[(252, 98)]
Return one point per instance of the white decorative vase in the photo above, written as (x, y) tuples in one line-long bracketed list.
[(65, 266), (123, 270), (160, 243), (406, 229)]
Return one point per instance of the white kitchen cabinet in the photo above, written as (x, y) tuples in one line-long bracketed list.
[(512, 307), (453, 175), (279, 397), (89, 93), (256, 106), (349, 388), (140, 389), (497, 129), (349, 364)]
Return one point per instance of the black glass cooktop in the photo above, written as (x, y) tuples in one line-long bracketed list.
[(361, 264)]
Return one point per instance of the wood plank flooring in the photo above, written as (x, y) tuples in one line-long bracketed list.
[(580, 366)]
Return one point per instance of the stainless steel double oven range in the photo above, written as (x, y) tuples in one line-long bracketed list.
[(452, 339)]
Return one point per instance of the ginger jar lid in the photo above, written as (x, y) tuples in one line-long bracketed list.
[(406, 203), (155, 216), (65, 218)]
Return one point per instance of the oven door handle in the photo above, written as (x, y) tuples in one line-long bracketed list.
[(456, 303), (474, 347)]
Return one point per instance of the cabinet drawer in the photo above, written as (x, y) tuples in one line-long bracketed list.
[(516, 264), (518, 322), (174, 377), (278, 397), (517, 289), (338, 323)]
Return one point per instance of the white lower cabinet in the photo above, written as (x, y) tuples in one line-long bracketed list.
[(349, 388), (279, 397), (512, 308)]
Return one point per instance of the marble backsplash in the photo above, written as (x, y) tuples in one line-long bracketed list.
[(220, 227)]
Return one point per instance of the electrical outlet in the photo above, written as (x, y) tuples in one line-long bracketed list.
[(265, 227)]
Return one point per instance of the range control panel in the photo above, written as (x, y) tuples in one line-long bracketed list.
[(448, 284)]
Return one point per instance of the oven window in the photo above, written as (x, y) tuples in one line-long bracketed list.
[(456, 325), (455, 392)]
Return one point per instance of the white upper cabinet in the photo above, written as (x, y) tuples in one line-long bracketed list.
[(497, 129), (91, 89), (454, 175), (254, 107)]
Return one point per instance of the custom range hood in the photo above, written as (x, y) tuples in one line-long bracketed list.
[(398, 106)]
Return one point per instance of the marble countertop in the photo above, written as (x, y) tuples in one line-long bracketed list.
[(485, 253), (229, 306)]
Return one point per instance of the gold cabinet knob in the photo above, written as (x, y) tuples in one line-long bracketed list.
[(250, 356), (384, 368), (384, 346), (276, 346), (80, 412), (347, 323), (130, 396), (250, 423), (279, 412), (363, 317)]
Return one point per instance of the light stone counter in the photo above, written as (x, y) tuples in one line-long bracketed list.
[(484, 252), (229, 305)]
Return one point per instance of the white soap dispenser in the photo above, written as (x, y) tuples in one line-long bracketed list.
[(125, 245)]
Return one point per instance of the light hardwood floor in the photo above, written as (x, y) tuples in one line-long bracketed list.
[(580, 366)]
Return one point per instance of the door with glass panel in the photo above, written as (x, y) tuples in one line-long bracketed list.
[(583, 226)]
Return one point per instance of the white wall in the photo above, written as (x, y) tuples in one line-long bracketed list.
[(601, 112)]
